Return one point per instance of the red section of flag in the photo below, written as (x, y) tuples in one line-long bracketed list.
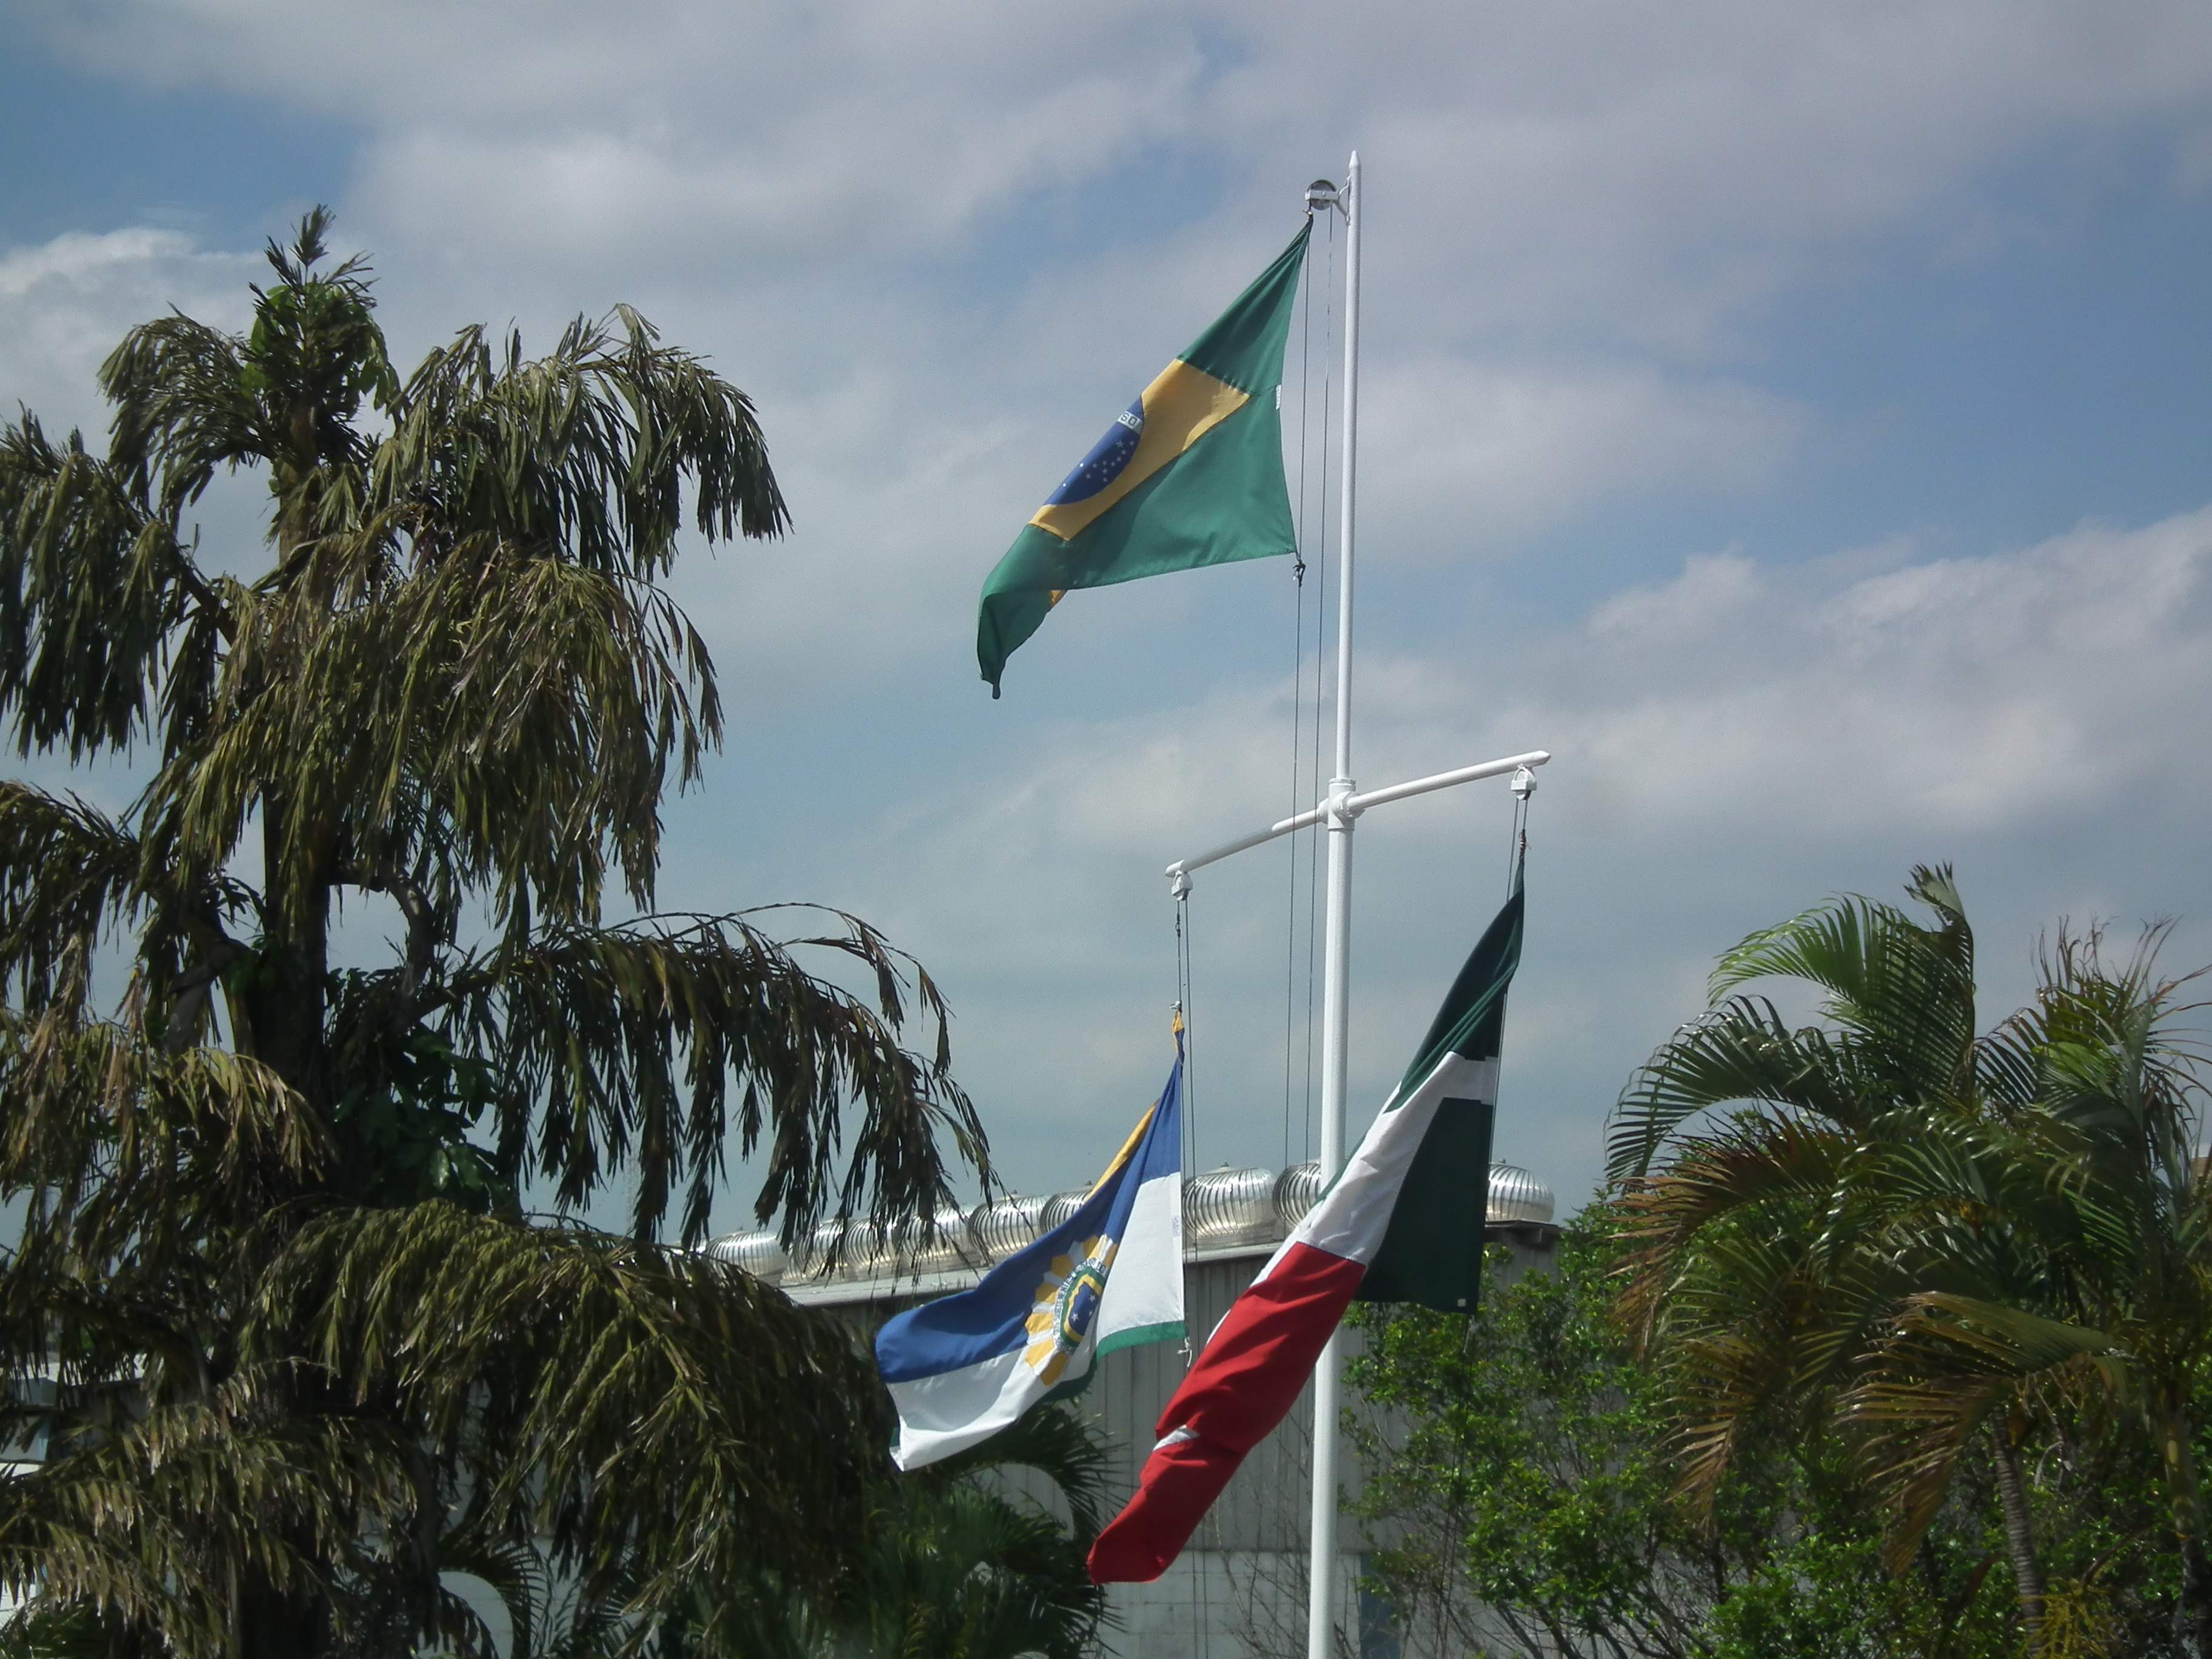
[(1243, 1384)]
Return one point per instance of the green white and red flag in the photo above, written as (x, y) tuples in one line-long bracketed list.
[(1403, 1223)]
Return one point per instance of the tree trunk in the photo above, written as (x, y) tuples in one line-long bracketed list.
[(272, 1625), (2020, 1533), (285, 1004)]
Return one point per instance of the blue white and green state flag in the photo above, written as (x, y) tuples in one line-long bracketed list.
[(1191, 474), (1111, 1276)]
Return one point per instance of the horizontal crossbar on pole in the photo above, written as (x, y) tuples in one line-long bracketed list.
[(1533, 758), (1358, 804)]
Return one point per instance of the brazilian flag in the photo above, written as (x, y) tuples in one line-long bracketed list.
[(1190, 474)]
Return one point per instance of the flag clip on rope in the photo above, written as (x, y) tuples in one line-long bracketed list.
[(1111, 1276), (1403, 1223)]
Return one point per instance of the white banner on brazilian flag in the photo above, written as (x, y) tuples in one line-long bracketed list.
[(1111, 1276)]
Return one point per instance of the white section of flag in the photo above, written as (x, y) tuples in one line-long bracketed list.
[(1354, 1215), (951, 1412), (1146, 1287)]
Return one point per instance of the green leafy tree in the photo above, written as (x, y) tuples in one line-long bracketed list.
[(1781, 1234), (981, 1556), (297, 1348), (2105, 1189), (1519, 1472), (1961, 1245)]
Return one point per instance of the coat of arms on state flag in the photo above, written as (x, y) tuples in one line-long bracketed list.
[(1109, 1276)]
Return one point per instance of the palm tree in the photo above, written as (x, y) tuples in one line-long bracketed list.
[(1847, 1164), (965, 1566), (2107, 1192), (960, 1561), (300, 1349)]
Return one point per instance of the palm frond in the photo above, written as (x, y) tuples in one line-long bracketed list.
[(1948, 1362), (1741, 1051), (1913, 1432), (652, 1047), (47, 1628), (1993, 1338), (964, 1573), (586, 449), (1904, 991), (182, 410), (70, 876), (68, 873), (514, 1571), (141, 1178), (148, 1526), (553, 701), (91, 583), (1054, 1443), (607, 1388)]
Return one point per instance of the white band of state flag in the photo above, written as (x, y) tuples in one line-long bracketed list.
[(963, 1367)]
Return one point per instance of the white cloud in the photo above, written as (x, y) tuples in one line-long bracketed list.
[(942, 244), (1712, 589), (1731, 746), (77, 259), (1969, 690), (931, 243), (1649, 172), (68, 301), (1489, 455)]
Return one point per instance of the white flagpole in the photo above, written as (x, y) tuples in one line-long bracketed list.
[(1343, 804), (1336, 960)]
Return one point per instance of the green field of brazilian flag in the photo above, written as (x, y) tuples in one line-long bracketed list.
[(1190, 474)]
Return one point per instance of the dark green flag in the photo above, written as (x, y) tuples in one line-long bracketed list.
[(1191, 474), (1432, 1248)]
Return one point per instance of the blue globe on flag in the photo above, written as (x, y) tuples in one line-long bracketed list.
[(1106, 459)]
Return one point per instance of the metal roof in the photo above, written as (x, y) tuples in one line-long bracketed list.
[(1226, 1212)]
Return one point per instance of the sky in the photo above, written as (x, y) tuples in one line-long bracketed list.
[(1794, 419)]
